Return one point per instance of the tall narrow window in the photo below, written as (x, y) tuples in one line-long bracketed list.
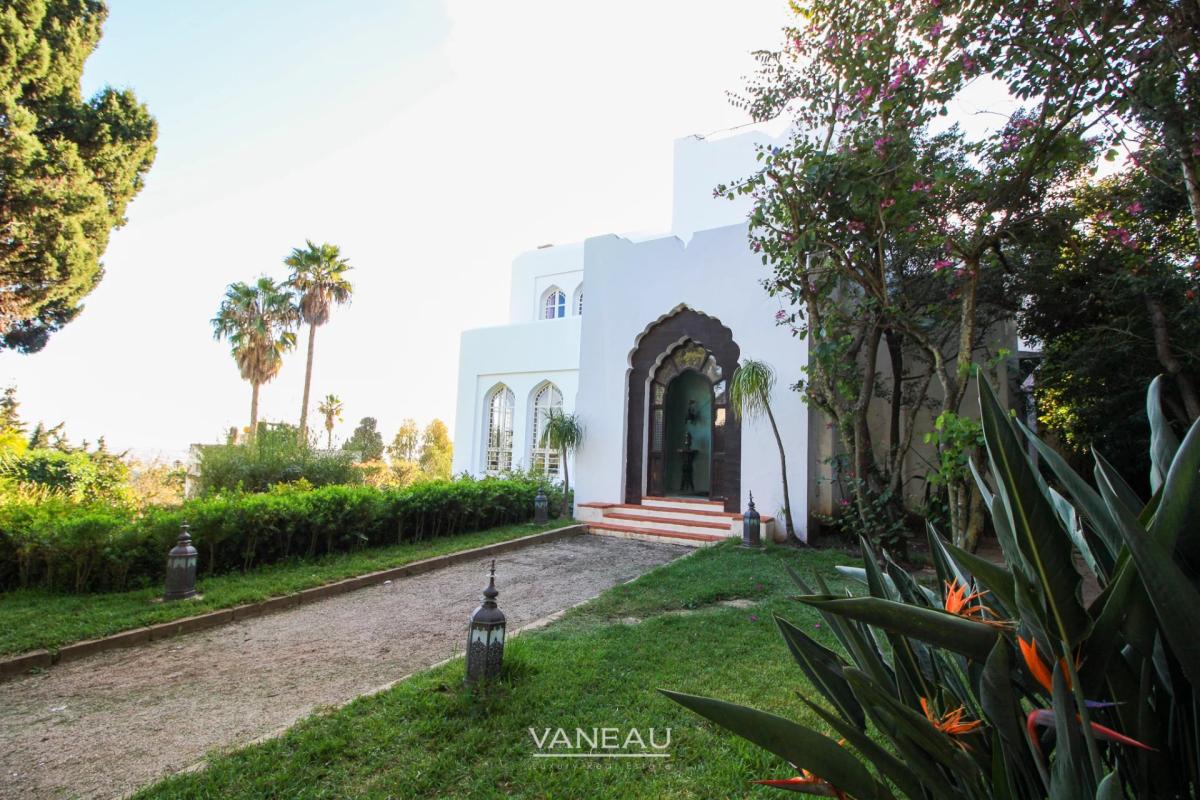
[(544, 459), (499, 422), (555, 304), (579, 300)]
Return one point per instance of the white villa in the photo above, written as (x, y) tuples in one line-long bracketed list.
[(638, 339)]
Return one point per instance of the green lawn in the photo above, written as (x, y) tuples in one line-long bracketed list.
[(32, 618), (430, 738)]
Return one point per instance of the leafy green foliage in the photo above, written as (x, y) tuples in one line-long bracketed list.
[(960, 683), (68, 166), (437, 450), (272, 457), (887, 240), (78, 475), (366, 441), (70, 547), (1112, 292)]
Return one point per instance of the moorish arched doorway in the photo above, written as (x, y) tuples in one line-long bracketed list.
[(677, 393)]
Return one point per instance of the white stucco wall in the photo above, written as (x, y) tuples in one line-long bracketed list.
[(632, 285), (701, 164), (536, 271), (522, 356)]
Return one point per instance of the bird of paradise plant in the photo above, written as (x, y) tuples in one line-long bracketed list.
[(1008, 684)]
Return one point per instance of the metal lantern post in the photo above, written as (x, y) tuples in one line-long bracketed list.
[(485, 636), (541, 507), (751, 525), (181, 568)]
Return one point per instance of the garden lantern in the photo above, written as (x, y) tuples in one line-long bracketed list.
[(485, 636), (181, 568), (541, 507), (750, 526)]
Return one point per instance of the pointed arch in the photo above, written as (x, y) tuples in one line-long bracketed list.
[(544, 398), (553, 303), (577, 301), (653, 350), (498, 407)]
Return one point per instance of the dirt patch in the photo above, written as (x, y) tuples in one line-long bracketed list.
[(104, 726)]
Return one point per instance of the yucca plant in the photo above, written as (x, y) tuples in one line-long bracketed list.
[(564, 432), (1003, 682)]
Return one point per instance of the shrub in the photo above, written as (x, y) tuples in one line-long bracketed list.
[(76, 548), (1004, 683), (77, 475), (270, 460)]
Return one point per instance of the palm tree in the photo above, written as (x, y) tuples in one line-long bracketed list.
[(563, 432), (331, 408), (750, 396), (257, 320), (319, 280)]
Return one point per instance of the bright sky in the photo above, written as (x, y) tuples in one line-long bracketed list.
[(432, 141)]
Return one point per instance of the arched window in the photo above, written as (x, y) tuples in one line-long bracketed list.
[(544, 459), (554, 304), (578, 303), (499, 423)]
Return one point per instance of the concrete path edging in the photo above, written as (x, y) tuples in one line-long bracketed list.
[(15, 666)]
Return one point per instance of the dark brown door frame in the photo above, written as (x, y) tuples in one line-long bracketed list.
[(654, 344)]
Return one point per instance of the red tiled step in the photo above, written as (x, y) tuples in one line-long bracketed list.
[(690, 537), (691, 523), (700, 500), (626, 507)]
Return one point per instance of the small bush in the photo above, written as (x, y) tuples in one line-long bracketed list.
[(79, 548), (271, 460)]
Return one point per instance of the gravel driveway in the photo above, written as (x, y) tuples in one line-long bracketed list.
[(106, 725)]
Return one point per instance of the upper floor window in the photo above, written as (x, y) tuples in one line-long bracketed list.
[(578, 300), (554, 305)]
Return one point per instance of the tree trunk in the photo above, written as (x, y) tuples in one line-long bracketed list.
[(253, 411), (1166, 357), (787, 501), (1191, 183), (895, 346), (566, 483), (312, 335), (329, 438)]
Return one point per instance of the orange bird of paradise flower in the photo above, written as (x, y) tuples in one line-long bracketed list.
[(1044, 718), (951, 723), (958, 602), (808, 783), (1039, 669)]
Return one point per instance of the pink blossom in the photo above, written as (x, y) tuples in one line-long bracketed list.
[(895, 82), (937, 29), (864, 93), (862, 37), (1135, 208), (942, 263), (911, 229), (881, 145), (921, 62), (856, 227), (888, 203), (968, 63), (780, 315), (922, 186)]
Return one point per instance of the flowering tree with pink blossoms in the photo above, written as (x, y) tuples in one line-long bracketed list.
[(889, 238)]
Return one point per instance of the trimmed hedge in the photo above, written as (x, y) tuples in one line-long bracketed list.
[(91, 548)]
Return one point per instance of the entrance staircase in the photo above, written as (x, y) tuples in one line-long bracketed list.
[(676, 520)]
